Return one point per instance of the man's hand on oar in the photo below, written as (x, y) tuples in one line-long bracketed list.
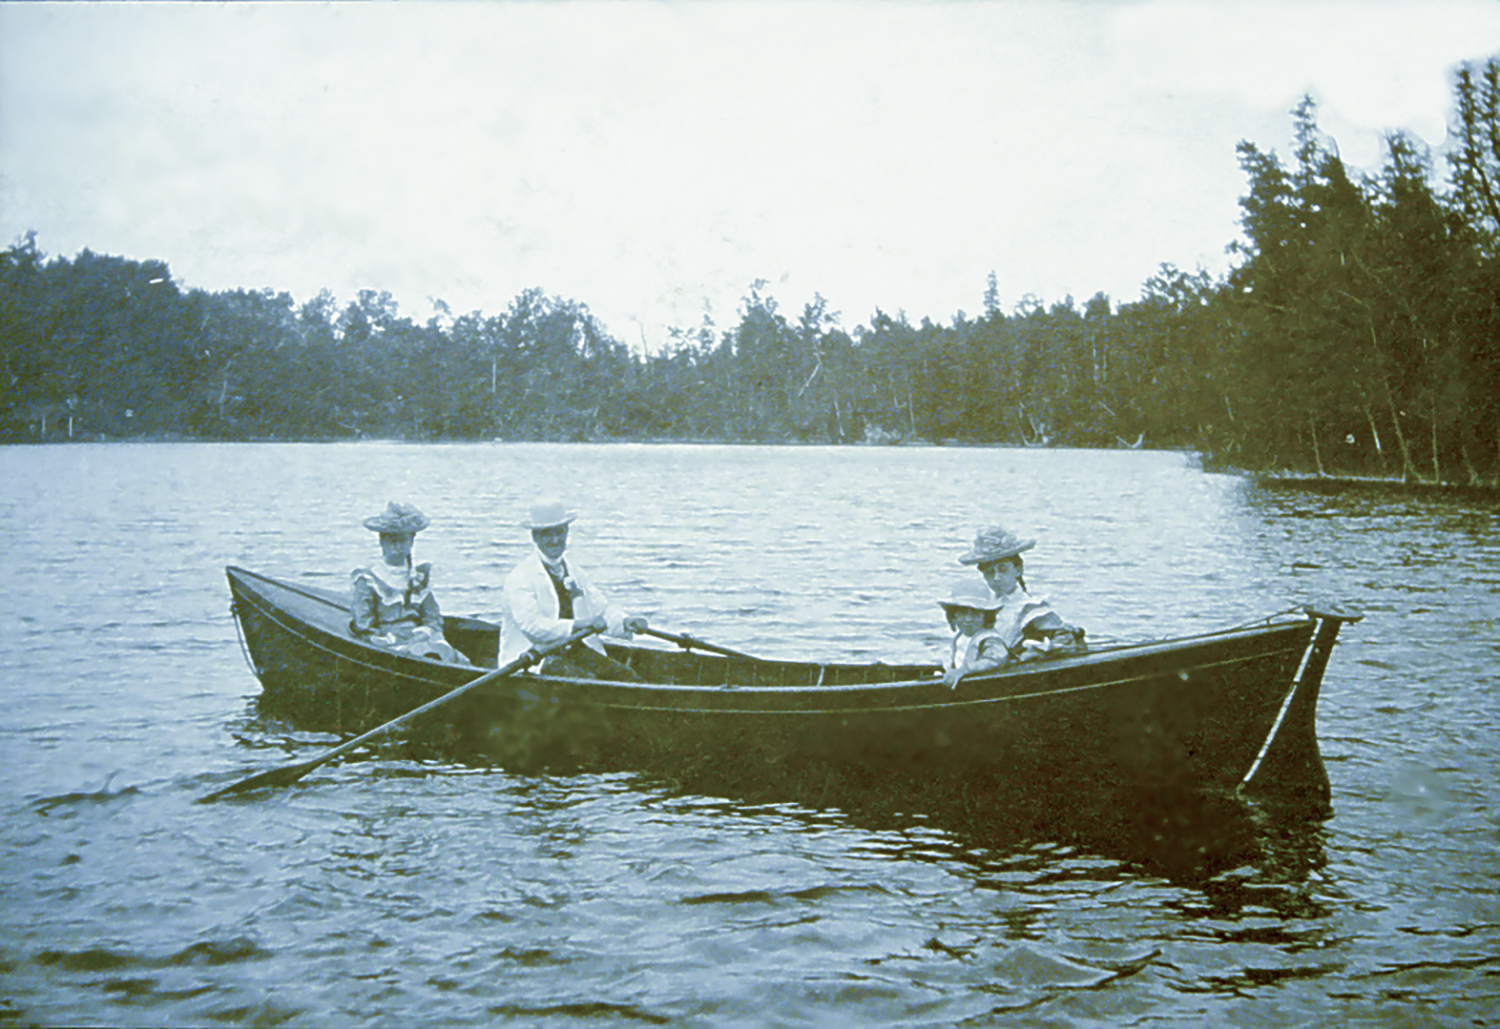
[(288, 774)]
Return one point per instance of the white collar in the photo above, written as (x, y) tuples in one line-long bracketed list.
[(391, 573)]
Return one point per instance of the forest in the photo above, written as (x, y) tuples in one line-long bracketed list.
[(1357, 332)]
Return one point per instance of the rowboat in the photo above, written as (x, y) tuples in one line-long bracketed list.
[(1233, 710)]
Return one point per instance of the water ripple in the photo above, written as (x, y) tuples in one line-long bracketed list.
[(395, 885)]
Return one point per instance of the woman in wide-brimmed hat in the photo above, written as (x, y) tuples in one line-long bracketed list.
[(391, 601), (1028, 626)]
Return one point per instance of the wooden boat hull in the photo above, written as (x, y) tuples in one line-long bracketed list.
[(1204, 712)]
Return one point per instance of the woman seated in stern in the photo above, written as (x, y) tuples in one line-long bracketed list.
[(1028, 627), (392, 605)]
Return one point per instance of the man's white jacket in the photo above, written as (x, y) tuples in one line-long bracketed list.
[(531, 614)]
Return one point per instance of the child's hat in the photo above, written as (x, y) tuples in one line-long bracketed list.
[(973, 595)]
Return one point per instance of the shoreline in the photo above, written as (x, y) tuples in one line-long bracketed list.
[(1333, 484), (1310, 482), (645, 441)]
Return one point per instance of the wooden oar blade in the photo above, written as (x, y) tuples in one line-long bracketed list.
[(283, 776), (291, 773)]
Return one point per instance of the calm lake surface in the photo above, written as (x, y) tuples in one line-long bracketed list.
[(400, 892)]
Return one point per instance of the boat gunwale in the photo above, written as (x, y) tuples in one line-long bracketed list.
[(411, 668)]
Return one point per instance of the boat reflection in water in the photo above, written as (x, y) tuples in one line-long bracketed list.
[(1154, 754)]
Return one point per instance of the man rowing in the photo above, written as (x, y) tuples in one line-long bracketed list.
[(548, 598)]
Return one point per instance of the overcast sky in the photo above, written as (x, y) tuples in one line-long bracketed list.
[(647, 158)]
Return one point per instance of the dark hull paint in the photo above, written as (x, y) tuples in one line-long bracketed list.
[(1158, 720)]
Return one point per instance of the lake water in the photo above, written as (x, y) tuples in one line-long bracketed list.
[(399, 892)]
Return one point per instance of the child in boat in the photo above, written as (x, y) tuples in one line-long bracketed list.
[(392, 603), (976, 646)]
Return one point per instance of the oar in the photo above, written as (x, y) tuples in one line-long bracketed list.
[(694, 643), (291, 773)]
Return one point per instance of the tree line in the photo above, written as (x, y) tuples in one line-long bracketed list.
[(1358, 332)]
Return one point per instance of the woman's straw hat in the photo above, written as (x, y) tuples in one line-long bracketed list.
[(547, 514), (973, 595), (994, 544), (398, 520)]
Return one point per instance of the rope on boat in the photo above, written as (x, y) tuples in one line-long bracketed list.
[(1286, 703), (234, 616)]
